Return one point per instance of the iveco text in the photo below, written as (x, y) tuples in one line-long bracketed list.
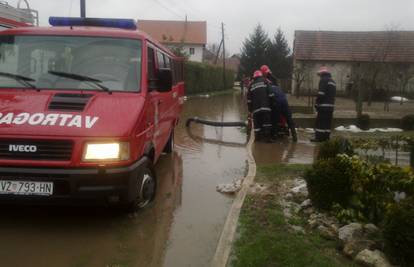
[(22, 148)]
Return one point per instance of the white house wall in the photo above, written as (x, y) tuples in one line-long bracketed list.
[(198, 52), (340, 74)]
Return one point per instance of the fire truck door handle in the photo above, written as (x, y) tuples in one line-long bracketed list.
[(159, 102)]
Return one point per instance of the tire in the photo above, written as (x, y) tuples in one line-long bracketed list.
[(169, 147), (146, 186)]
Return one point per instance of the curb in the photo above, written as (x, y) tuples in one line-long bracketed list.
[(223, 250)]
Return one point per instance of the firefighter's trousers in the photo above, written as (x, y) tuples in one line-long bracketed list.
[(323, 123), (262, 125)]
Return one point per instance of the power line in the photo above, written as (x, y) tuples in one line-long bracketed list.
[(184, 10), (161, 4), (175, 13)]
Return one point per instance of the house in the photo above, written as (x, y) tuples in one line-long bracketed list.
[(348, 54), (190, 35), (232, 63)]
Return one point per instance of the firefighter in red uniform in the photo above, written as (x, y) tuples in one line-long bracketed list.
[(325, 102), (259, 106)]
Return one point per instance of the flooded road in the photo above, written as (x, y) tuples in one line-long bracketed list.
[(285, 151), (211, 156), (181, 228)]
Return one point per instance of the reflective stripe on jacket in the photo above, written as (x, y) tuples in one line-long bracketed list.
[(258, 96), (326, 93)]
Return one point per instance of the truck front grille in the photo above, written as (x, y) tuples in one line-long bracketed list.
[(17, 149)]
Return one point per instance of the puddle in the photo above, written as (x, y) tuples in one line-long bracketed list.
[(285, 151)]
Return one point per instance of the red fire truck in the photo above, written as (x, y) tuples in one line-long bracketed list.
[(86, 109)]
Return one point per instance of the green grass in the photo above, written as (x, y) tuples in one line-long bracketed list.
[(277, 172), (264, 236), (265, 240)]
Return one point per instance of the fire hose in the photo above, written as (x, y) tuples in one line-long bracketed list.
[(216, 123)]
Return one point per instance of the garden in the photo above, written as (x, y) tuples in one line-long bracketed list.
[(353, 206), (367, 188)]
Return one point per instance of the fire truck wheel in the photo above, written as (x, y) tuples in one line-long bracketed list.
[(169, 147), (146, 187)]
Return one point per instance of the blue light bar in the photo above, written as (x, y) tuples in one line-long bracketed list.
[(95, 22)]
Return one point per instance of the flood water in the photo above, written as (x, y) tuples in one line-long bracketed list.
[(181, 228), (285, 151)]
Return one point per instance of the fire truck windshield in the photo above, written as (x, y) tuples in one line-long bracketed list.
[(114, 62)]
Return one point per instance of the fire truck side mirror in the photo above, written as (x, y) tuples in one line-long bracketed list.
[(164, 80)]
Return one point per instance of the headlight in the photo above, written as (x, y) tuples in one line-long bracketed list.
[(106, 151)]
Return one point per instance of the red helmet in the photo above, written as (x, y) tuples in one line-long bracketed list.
[(323, 70), (257, 73), (265, 69)]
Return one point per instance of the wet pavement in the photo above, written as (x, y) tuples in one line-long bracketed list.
[(181, 228)]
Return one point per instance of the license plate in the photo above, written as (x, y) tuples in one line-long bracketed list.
[(26, 188)]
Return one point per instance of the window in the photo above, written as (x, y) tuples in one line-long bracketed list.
[(161, 62), (167, 62), (164, 62), (177, 71), (54, 62), (152, 80), (192, 51)]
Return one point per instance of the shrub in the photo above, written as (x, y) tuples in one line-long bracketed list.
[(202, 78), (407, 122), (329, 182), (356, 189), (347, 215), (333, 147), (363, 121), (410, 148), (395, 178), (399, 232), (375, 191)]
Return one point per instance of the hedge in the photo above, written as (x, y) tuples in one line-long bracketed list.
[(399, 232), (354, 189), (203, 78)]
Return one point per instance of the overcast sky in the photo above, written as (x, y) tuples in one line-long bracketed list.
[(241, 16)]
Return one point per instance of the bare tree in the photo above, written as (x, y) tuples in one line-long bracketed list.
[(378, 76), (300, 74)]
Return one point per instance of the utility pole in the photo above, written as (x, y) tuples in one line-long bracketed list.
[(224, 55), (82, 8), (218, 52)]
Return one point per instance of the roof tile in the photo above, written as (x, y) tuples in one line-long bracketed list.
[(383, 46), (173, 32)]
